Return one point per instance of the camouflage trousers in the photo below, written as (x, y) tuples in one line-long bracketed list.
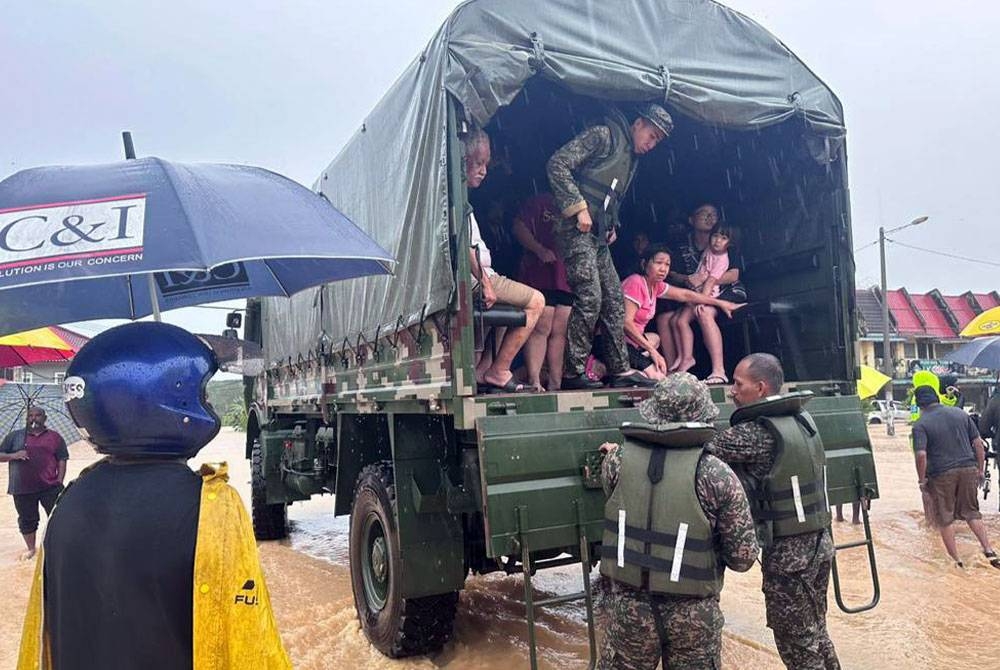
[(643, 628), (795, 589), (591, 275)]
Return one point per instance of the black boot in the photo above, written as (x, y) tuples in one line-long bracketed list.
[(579, 383)]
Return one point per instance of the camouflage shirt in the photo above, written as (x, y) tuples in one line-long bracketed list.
[(593, 144), (722, 498), (749, 445)]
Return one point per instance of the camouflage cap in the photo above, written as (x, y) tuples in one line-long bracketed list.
[(659, 117), (679, 397)]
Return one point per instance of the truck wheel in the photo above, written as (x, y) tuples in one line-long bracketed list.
[(397, 626), (270, 522)]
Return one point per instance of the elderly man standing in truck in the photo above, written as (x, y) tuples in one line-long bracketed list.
[(775, 448), (667, 542), (589, 176)]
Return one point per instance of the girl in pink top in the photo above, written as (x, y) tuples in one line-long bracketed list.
[(714, 263), (641, 292)]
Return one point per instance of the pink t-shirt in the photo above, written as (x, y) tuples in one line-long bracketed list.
[(636, 290), (712, 265)]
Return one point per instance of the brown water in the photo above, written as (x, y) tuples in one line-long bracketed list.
[(932, 615)]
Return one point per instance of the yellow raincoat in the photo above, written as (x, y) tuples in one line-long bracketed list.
[(233, 623)]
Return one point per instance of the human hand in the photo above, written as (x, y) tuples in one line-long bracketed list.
[(729, 307), (547, 256), (608, 447), (612, 235), (21, 455), (583, 221), (659, 362), (489, 295)]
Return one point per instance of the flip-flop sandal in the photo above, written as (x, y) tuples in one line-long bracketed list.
[(992, 557), (716, 380), (510, 387)]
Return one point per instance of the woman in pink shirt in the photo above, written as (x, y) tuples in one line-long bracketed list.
[(641, 292)]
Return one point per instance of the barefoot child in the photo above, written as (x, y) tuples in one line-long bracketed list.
[(714, 263)]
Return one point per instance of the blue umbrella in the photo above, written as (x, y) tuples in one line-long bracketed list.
[(121, 240), (982, 352)]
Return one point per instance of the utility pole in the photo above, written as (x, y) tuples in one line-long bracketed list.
[(887, 366), (890, 422)]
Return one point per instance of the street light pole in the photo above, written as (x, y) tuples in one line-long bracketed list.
[(890, 420), (887, 367)]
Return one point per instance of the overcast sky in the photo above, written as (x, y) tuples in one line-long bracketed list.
[(284, 84)]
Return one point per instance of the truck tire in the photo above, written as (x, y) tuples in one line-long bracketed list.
[(396, 626), (270, 522)]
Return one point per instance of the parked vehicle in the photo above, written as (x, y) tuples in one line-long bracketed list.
[(370, 392), (900, 412)]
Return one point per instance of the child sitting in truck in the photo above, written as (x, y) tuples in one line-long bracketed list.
[(641, 293), (705, 280)]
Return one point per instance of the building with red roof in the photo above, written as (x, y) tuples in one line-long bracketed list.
[(923, 327)]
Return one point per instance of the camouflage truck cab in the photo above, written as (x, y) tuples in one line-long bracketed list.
[(370, 391)]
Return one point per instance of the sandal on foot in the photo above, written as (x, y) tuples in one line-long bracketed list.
[(510, 387), (715, 380), (992, 557)]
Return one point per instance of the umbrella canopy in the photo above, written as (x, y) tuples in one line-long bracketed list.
[(986, 323), (16, 398), (982, 352), (88, 242), (41, 345), (871, 382)]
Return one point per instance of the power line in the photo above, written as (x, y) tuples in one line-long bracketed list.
[(945, 254)]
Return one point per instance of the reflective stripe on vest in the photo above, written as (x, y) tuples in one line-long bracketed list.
[(793, 496), (656, 536)]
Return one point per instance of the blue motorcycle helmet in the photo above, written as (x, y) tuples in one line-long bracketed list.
[(138, 390)]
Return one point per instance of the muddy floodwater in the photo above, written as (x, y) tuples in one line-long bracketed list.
[(932, 615)]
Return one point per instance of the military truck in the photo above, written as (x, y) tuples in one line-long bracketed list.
[(370, 392)]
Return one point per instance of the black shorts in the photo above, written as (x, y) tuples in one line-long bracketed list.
[(556, 298), (27, 504), (638, 359)]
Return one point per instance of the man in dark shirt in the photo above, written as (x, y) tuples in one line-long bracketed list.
[(37, 458), (950, 461)]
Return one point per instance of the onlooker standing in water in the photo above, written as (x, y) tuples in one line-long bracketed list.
[(950, 460)]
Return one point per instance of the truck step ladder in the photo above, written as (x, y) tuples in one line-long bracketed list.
[(864, 496), (530, 604)]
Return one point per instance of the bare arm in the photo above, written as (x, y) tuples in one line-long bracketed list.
[(528, 241), (489, 295), (730, 276), (921, 461), (62, 471), (980, 448), (689, 296)]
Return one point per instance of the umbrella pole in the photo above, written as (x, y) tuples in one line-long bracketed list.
[(152, 298), (130, 155)]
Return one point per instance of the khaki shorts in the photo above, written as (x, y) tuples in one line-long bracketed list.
[(956, 495), (511, 292)]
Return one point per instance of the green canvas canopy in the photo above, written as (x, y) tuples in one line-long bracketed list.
[(701, 59)]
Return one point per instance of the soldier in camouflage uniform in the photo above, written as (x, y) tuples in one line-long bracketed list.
[(685, 630), (589, 176), (796, 568)]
